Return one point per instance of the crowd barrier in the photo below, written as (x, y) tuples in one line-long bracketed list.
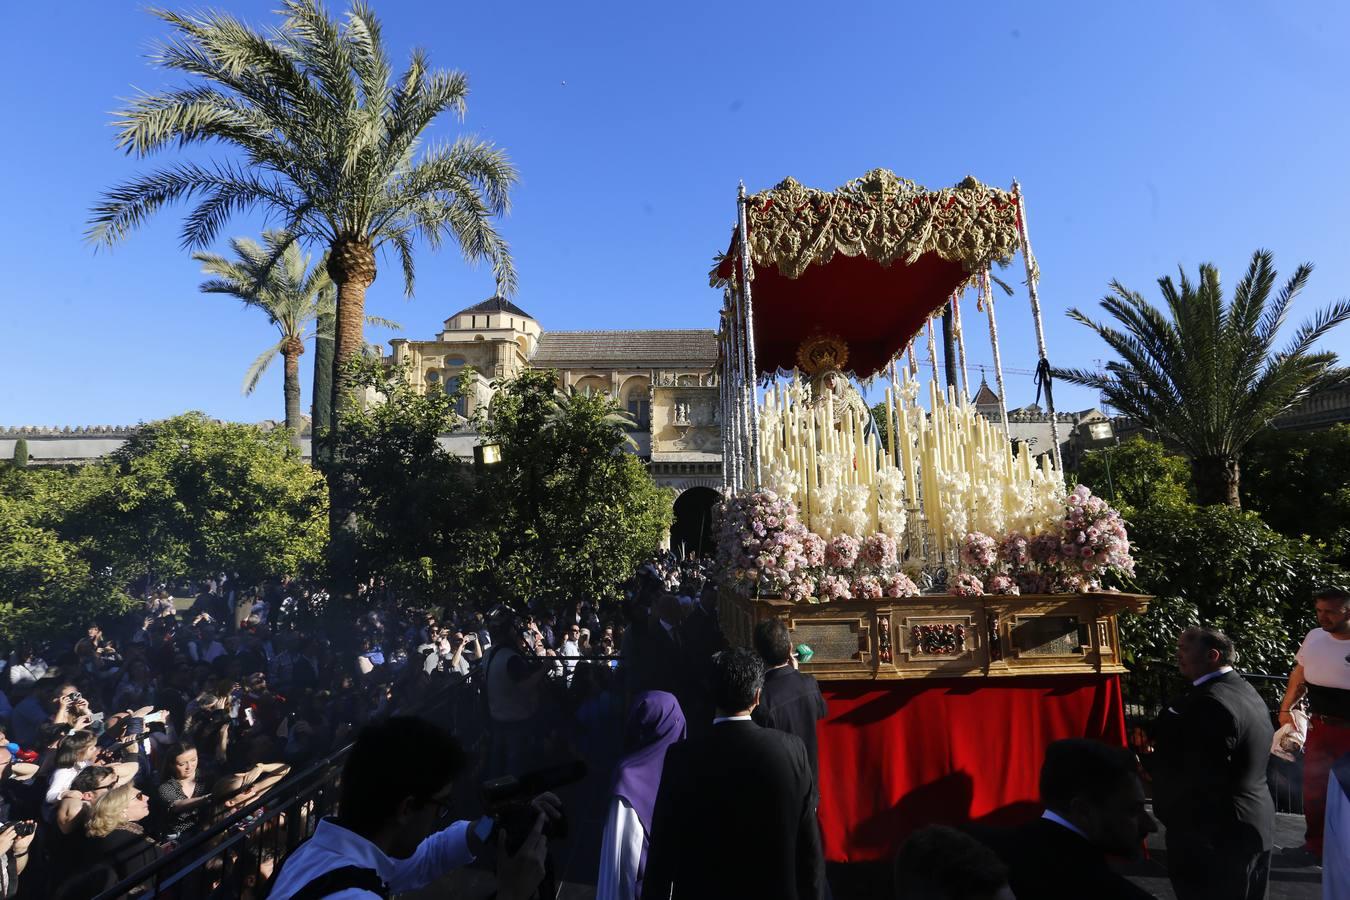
[(243, 850)]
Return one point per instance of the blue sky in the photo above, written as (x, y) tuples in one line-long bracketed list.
[(1146, 135)]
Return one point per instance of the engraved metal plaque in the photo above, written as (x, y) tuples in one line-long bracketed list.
[(1047, 636), (829, 641)]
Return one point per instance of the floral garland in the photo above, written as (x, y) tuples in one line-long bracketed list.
[(1087, 542), (764, 550)]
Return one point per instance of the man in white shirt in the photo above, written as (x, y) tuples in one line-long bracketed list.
[(389, 835), (1323, 674)]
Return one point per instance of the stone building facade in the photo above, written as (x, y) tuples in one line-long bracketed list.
[(665, 379)]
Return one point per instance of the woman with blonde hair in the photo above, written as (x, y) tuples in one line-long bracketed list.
[(113, 835)]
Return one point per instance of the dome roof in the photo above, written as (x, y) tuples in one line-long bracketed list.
[(492, 305)]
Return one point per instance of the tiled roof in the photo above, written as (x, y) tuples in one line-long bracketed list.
[(693, 346), (985, 396), (492, 305)]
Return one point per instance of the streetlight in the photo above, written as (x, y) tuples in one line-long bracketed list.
[(1101, 435), (486, 455)]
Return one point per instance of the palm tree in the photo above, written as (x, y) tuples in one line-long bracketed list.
[(1205, 375), (290, 292), (328, 144)]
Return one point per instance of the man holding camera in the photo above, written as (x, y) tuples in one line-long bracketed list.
[(391, 833)]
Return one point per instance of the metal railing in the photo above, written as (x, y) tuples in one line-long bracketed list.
[(244, 849), (1146, 690)]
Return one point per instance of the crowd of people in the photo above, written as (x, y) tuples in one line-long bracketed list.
[(125, 738), (130, 737)]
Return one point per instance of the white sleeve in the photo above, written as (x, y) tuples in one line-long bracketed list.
[(1301, 657), (60, 783), (620, 853), (444, 851)]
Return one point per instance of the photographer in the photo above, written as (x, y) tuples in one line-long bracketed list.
[(15, 839), (514, 676), (390, 834)]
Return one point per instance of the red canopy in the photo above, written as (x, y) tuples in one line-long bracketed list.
[(868, 263)]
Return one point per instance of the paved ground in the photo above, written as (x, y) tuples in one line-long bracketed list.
[(1292, 876)]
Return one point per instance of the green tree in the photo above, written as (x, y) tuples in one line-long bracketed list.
[(1299, 481), (414, 501), (47, 583), (571, 514), (20, 459), (190, 496), (1137, 474), (1226, 568), (1206, 375)]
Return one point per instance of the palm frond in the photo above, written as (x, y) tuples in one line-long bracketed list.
[(1203, 373), (255, 371)]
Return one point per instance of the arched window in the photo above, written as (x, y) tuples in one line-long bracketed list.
[(462, 402), (637, 400)]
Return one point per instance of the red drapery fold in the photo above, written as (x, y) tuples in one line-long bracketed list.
[(897, 756)]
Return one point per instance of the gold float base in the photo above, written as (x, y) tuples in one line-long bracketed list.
[(945, 636)]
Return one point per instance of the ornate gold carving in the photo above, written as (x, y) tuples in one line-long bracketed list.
[(880, 216)]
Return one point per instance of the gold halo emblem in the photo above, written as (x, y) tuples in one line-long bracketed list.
[(821, 353)]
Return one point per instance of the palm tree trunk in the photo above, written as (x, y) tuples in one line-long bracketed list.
[(290, 352), (1216, 480), (351, 265), (321, 410), (949, 348)]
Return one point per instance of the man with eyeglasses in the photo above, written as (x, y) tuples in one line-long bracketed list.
[(393, 833)]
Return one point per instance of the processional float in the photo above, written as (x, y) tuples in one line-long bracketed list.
[(923, 558), (928, 543)]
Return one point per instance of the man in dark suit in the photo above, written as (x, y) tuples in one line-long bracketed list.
[(735, 813), (791, 701), (1209, 774), (1094, 807)]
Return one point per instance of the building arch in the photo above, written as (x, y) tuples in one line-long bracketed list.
[(635, 397), (591, 385), (692, 527)]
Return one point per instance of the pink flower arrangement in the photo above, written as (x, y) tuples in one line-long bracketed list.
[(1094, 540), (841, 552), (760, 544), (1014, 551), (1002, 584), (901, 585), (1044, 550), (878, 551), (834, 587), (967, 585), (979, 552), (813, 548), (866, 587)]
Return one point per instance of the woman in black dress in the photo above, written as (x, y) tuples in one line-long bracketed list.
[(182, 797)]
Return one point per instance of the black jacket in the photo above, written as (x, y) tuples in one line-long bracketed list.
[(1047, 861), (791, 701), (1209, 764), (735, 818)]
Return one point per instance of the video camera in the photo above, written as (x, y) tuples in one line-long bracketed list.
[(507, 800)]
